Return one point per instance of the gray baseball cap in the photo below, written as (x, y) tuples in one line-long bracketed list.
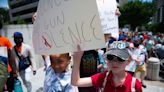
[(119, 49)]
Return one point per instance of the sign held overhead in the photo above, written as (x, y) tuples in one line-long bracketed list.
[(62, 24)]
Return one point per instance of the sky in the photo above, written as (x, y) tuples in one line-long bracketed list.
[(4, 3)]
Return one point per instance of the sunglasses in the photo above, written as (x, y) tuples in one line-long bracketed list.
[(112, 57)]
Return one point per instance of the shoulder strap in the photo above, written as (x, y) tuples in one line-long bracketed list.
[(105, 81), (17, 53), (133, 84)]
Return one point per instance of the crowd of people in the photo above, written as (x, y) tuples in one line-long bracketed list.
[(116, 65), (140, 47)]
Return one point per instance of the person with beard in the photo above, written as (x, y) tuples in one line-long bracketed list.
[(23, 53)]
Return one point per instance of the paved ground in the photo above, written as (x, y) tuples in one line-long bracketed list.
[(37, 81), (152, 86)]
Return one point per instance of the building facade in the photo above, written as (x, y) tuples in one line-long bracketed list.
[(22, 10), (159, 16)]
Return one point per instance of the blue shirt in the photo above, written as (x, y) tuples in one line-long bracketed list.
[(3, 59), (57, 82)]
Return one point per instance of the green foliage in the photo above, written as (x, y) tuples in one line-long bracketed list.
[(4, 16), (157, 27), (21, 21), (160, 27), (1, 25), (136, 13), (151, 27)]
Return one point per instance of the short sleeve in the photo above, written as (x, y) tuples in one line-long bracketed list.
[(8, 44), (97, 79)]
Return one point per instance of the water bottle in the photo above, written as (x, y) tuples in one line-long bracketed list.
[(17, 86)]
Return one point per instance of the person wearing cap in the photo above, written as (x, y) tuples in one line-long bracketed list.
[(23, 52), (58, 75), (115, 78)]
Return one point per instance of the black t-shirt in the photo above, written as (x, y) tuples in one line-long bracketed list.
[(89, 62)]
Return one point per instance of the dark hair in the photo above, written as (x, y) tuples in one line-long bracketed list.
[(136, 44), (64, 55)]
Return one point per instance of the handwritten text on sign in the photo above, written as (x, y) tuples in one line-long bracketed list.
[(109, 20), (62, 24)]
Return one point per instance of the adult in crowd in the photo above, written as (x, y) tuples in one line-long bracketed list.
[(24, 58), (149, 43), (7, 66)]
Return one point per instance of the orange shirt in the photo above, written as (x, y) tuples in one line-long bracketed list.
[(6, 42), (19, 49)]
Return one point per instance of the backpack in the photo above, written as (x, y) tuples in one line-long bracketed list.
[(17, 86), (24, 62)]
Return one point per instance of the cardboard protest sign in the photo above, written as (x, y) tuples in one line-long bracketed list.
[(62, 24), (109, 20)]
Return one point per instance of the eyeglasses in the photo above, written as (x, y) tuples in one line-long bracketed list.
[(112, 57)]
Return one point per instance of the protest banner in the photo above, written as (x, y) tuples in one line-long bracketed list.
[(109, 20), (62, 24)]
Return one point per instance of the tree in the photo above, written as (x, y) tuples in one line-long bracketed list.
[(20, 21), (0, 25), (136, 13), (4, 16), (156, 27)]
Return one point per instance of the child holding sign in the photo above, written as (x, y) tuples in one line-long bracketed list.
[(115, 78), (58, 76)]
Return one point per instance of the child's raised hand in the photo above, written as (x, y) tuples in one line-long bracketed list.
[(77, 55)]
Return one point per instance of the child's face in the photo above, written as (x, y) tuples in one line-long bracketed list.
[(117, 65), (60, 62)]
